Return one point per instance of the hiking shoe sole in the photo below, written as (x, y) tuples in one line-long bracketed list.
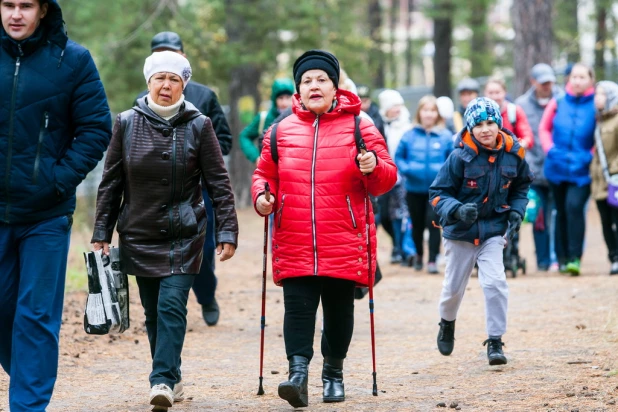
[(498, 361), (291, 393)]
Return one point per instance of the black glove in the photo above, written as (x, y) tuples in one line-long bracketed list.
[(514, 222), (467, 213)]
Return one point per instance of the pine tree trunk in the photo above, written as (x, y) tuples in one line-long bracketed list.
[(599, 47), (532, 22), (392, 39), (244, 81), (375, 29), (481, 57), (409, 46), (443, 41)]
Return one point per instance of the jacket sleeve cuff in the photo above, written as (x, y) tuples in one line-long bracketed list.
[(101, 235), (227, 237)]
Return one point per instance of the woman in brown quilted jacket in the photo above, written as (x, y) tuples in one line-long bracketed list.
[(606, 102), (160, 151)]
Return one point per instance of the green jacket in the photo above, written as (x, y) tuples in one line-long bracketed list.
[(250, 134)]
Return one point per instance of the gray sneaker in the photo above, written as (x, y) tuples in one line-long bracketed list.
[(179, 392), (614, 269)]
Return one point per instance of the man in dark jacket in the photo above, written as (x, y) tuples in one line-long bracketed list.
[(534, 102), (206, 101), (55, 125), (369, 107)]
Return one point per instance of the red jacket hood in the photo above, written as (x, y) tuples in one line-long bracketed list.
[(347, 102)]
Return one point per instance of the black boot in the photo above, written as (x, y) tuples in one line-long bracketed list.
[(446, 337), (332, 378), (294, 390), (494, 352)]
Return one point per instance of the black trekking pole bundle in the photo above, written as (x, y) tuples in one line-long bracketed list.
[(363, 150), (263, 318)]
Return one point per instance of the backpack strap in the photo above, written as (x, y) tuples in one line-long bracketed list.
[(273, 143), (358, 139)]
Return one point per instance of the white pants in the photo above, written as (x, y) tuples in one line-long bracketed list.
[(460, 258)]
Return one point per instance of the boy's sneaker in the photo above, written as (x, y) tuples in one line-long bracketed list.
[(574, 267), (161, 396), (614, 269), (179, 392), (494, 352), (562, 268), (432, 268), (446, 337)]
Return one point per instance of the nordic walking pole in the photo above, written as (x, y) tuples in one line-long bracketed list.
[(363, 150), (263, 318)]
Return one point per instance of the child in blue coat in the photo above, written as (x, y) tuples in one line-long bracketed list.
[(479, 193), (420, 154)]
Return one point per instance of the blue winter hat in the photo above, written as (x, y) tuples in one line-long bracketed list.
[(482, 108)]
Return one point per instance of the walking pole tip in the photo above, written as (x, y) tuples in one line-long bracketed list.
[(261, 388)]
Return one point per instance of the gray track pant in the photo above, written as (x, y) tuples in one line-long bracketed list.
[(460, 259)]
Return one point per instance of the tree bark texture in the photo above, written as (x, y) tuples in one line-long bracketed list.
[(244, 81), (601, 38), (409, 45), (443, 41), (481, 57), (377, 55), (532, 22)]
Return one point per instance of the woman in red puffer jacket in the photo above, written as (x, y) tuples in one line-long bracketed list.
[(319, 184)]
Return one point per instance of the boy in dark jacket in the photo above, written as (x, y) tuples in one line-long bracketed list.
[(480, 192)]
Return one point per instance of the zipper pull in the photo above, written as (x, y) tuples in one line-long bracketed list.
[(17, 64), (174, 135), (46, 119), (316, 121)]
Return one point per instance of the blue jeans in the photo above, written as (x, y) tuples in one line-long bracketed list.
[(165, 306), (33, 262), (205, 283), (542, 237)]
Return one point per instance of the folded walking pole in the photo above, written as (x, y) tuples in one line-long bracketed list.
[(263, 318)]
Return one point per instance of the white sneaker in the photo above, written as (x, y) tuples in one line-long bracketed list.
[(161, 395), (179, 392)]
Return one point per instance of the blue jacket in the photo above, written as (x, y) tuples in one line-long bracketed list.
[(55, 123), (497, 180), (573, 139), (420, 155)]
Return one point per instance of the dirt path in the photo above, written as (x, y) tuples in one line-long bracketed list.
[(562, 346)]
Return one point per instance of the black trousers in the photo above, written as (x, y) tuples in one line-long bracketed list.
[(609, 221), (422, 214), (570, 219), (301, 299)]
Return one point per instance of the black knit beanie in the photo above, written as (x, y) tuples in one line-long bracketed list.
[(316, 59)]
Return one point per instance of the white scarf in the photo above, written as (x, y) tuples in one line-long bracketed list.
[(166, 112)]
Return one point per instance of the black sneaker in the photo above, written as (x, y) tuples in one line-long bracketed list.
[(211, 313), (494, 352), (418, 263), (446, 337)]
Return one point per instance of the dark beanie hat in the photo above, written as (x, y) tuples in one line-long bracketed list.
[(316, 59)]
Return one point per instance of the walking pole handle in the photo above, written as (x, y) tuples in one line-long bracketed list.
[(267, 191)]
